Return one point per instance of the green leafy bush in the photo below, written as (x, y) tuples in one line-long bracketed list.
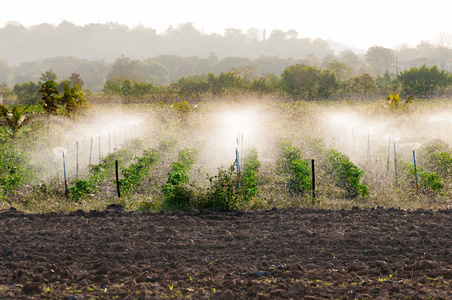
[(249, 179), (80, 188), (176, 193), (15, 169), (296, 169), (436, 157), (223, 193), (137, 171), (345, 174)]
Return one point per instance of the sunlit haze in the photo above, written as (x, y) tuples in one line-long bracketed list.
[(355, 23)]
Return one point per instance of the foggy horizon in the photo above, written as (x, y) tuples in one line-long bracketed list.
[(350, 22)]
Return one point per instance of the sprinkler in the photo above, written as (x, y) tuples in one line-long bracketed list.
[(58, 151)]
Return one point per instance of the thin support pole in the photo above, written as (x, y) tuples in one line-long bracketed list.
[(90, 153), (313, 181), (99, 150), (395, 162), (389, 150), (415, 172), (65, 179), (117, 179), (76, 164)]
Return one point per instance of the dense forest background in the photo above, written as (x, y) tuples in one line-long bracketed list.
[(98, 52)]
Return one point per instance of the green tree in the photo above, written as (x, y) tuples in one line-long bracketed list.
[(6, 93), (300, 81), (50, 96), (27, 92), (424, 81), (73, 99), (364, 83), (48, 75), (380, 59), (328, 84), (193, 86), (126, 68)]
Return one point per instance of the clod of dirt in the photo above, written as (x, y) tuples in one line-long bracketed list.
[(32, 288), (116, 207), (297, 289), (226, 295), (427, 265)]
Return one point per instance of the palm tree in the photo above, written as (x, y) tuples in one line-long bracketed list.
[(12, 119)]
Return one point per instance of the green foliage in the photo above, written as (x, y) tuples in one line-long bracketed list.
[(248, 178), (127, 88), (424, 81), (428, 182), (394, 102), (177, 194), (364, 84), (346, 175), (223, 193), (137, 171), (300, 81), (27, 92), (80, 188), (436, 157), (50, 97), (15, 169), (73, 99), (296, 169), (13, 119), (306, 82)]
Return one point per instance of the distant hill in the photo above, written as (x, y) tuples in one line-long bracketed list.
[(111, 40)]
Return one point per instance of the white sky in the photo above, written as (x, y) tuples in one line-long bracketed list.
[(357, 23)]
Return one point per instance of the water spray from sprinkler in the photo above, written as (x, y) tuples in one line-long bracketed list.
[(58, 151)]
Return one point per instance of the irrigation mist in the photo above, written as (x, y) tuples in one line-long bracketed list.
[(373, 137)]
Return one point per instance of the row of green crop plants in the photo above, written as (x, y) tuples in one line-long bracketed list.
[(229, 189)]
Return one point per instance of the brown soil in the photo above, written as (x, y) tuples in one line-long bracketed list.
[(271, 254)]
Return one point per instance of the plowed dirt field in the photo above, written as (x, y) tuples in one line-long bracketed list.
[(269, 254)]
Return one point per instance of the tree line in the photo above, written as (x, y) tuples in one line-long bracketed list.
[(100, 51), (297, 82)]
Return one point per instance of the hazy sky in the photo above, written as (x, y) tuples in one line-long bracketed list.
[(358, 23)]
